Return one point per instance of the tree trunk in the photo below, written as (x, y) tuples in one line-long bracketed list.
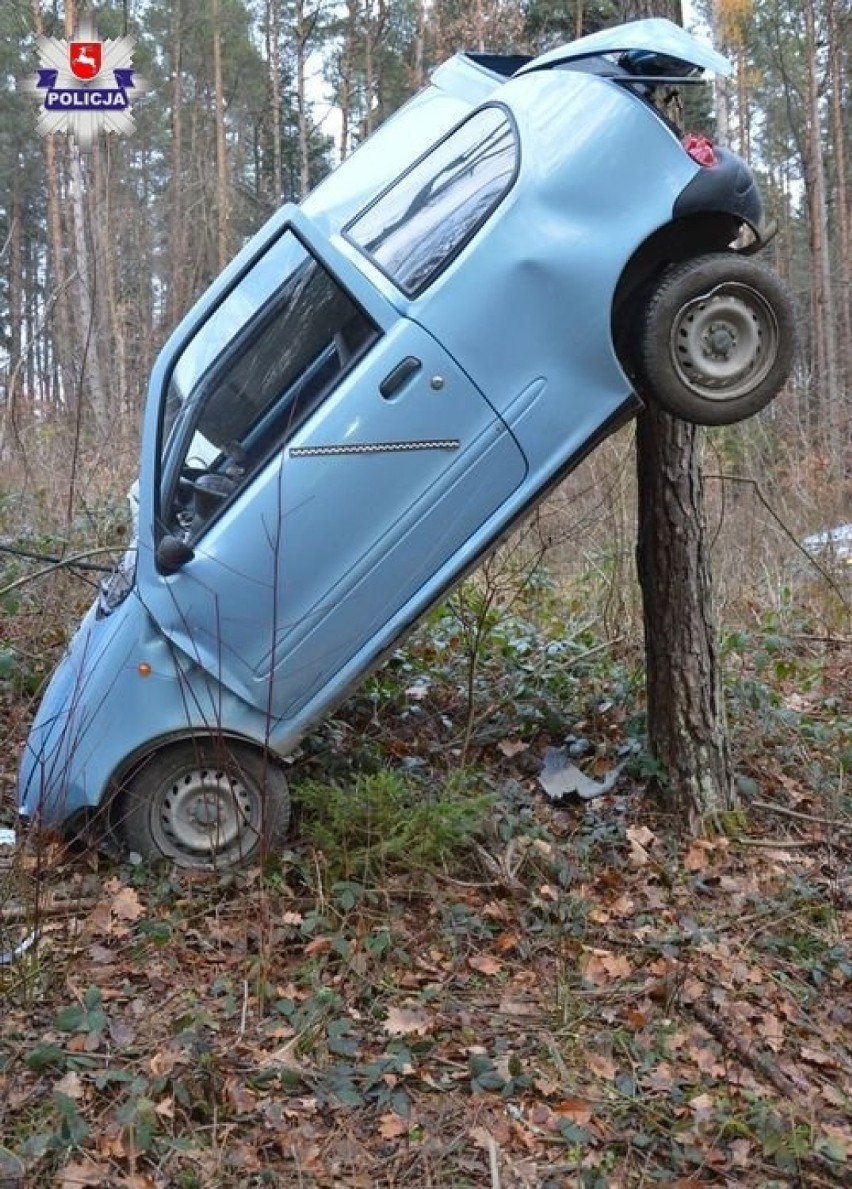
[(110, 311), (347, 67), (825, 340), (273, 43), (369, 74), (686, 721), (177, 292), (223, 252), (85, 295), (58, 302), (686, 714), (839, 30), (302, 32)]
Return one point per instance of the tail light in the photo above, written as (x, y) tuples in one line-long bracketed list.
[(700, 148)]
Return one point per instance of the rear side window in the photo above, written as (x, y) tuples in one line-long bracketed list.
[(418, 226)]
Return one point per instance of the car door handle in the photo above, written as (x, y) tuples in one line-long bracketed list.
[(395, 379)]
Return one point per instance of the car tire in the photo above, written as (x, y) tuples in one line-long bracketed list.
[(716, 339), (208, 804)]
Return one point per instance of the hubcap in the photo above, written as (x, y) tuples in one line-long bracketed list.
[(207, 813), (724, 343)]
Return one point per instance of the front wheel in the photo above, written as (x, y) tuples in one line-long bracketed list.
[(205, 803), (716, 340)]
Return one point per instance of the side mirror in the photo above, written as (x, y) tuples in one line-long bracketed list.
[(173, 554)]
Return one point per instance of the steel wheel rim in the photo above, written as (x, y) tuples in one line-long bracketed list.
[(205, 814), (724, 343)]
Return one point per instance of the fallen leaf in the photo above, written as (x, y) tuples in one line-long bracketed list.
[(602, 966), (603, 1066), (124, 903), (660, 1077), (511, 747), (392, 1126), (576, 1109), (101, 955), (640, 840), (635, 1019), (81, 1172), (121, 1034), (484, 964), (319, 945), (241, 1099), (702, 1105), (71, 1086), (772, 1031), (164, 1061), (407, 1021), (641, 835)]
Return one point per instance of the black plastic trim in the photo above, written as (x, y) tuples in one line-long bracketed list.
[(727, 187)]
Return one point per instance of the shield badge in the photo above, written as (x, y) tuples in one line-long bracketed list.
[(84, 58)]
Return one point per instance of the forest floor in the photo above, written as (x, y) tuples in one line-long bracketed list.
[(449, 980)]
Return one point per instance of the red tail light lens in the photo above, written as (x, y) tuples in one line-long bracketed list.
[(700, 148)]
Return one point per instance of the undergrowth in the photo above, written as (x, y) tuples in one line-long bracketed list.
[(445, 974)]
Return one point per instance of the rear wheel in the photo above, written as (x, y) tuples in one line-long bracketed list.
[(205, 803), (716, 339)]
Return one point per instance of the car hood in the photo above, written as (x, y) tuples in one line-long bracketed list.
[(658, 35)]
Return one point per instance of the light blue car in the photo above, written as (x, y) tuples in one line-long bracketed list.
[(383, 382)]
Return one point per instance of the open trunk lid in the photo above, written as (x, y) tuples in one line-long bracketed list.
[(655, 36)]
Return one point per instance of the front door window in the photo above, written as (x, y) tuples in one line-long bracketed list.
[(254, 373)]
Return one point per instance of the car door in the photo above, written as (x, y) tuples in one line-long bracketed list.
[(322, 460)]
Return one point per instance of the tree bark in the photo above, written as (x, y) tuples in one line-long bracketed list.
[(687, 732), (687, 728)]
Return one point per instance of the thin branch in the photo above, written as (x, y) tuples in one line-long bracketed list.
[(729, 1039), (754, 483), (802, 817), (65, 563), (48, 557)]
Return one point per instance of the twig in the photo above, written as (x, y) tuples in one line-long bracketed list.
[(244, 1015), (802, 817), (759, 1062), (14, 913), (781, 843), (758, 490), (28, 555), (63, 564), (493, 1163)]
